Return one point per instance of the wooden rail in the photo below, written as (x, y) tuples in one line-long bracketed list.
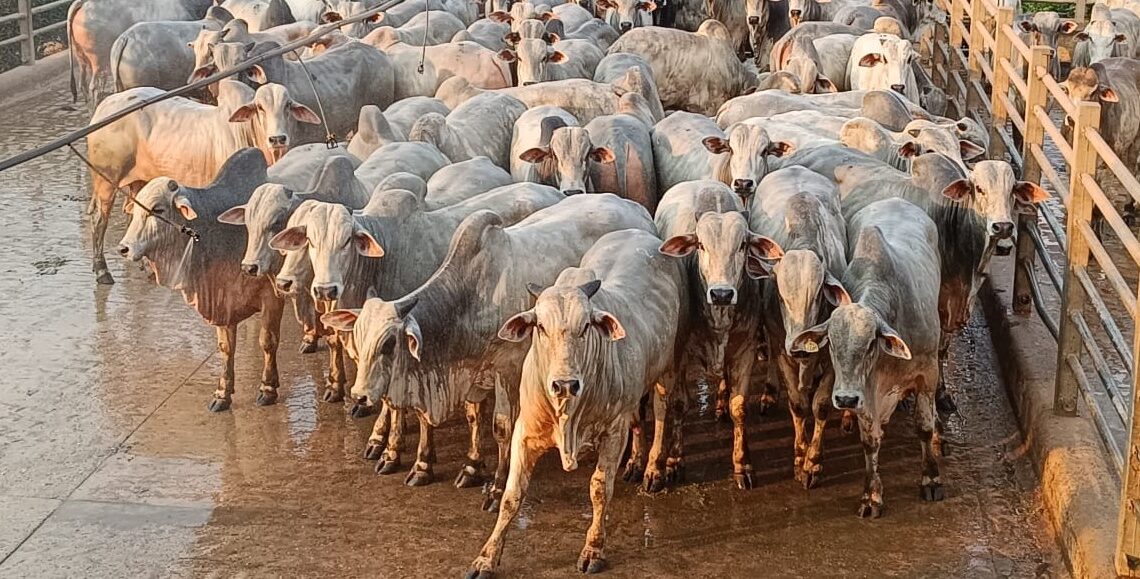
[(26, 37), (1088, 251)]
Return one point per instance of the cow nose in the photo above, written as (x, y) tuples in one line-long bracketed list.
[(278, 140), (846, 402), (565, 388), (124, 250), (284, 285), (743, 185), (626, 26), (794, 13), (753, 20), (899, 88), (529, 82), (722, 296), (570, 192), (1002, 230), (325, 292), (249, 269)]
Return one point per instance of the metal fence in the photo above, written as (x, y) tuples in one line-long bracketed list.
[(26, 16), (1079, 240)]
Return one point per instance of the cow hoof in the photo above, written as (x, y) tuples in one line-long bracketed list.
[(419, 477), (591, 563), (931, 492), (491, 499), (219, 405), (944, 402), (767, 401), (809, 479), (870, 510), (105, 278), (906, 404), (633, 472), (743, 480), (307, 346), (847, 423), (472, 474), (674, 473), (360, 410), (653, 482), (333, 394), (477, 574), (374, 451), (387, 465), (266, 397)]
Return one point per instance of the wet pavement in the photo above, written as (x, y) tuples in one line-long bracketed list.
[(110, 465)]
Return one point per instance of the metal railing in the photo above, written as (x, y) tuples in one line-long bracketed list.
[(26, 37), (1084, 247)]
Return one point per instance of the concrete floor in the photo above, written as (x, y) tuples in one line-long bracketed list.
[(110, 465)]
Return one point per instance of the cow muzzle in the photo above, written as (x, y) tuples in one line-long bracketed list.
[(570, 192), (250, 269), (283, 285), (743, 187), (754, 21), (529, 83), (626, 27), (1002, 230), (899, 88), (722, 296), (847, 401), (129, 252), (795, 16), (565, 388), (326, 292)]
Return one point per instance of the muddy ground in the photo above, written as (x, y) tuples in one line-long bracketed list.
[(110, 465)]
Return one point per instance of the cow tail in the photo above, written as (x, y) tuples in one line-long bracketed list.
[(71, 12), (117, 51)]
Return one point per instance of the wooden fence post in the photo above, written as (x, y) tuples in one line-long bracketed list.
[(1080, 11), (1128, 525), (1003, 48), (28, 44), (953, 62), (1080, 208), (937, 62), (978, 17), (1026, 255)]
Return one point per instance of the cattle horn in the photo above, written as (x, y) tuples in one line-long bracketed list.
[(590, 288), (548, 126), (404, 307)]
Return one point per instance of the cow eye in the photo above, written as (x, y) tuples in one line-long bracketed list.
[(157, 211), (540, 329), (585, 328)]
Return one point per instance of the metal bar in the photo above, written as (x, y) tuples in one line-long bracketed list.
[(13, 40), (288, 47), (1112, 161), (1107, 267), (1030, 171), (1054, 226), (1054, 133), (1100, 365), (10, 17), (1106, 319), (1039, 300), (51, 27), (1046, 259), (1099, 419), (51, 5)]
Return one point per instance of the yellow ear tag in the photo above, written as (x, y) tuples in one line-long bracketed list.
[(811, 347)]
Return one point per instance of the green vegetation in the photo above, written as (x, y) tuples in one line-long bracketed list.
[(1066, 10)]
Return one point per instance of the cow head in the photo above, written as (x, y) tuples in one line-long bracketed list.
[(1103, 39), (996, 196), (726, 251), (344, 9), (800, 11), (223, 56), (203, 47), (334, 238), (807, 292), (811, 80), (625, 15), (932, 138), (569, 332), (274, 115), (743, 156), (856, 337), (534, 57), (387, 340), (1084, 84), (147, 236), (1044, 29), (570, 152), (264, 216), (892, 61)]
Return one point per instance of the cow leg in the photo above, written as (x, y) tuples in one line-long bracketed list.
[(799, 406), (224, 395), (634, 467), (422, 473), (821, 408), (738, 373), (654, 480), (678, 405), (506, 414), (925, 425), (379, 437), (524, 452), (389, 461), (592, 559), (270, 336), (474, 471), (334, 389), (871, 433), (722, 399), (942, 398), (103, 197), (306, 312)]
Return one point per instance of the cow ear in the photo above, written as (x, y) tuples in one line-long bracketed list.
[(506, 55), (341, 320), (551, 37), (535, 154), (870, 60), (518, 327), (959, 190), (182, 204), (892, 343), (910, 149), (605, 4), (557, 56), (1069, 27), (811, 340), (330, 16), (291, 239), (500, 16), (512, 38), (202, 72), (257, 74), (534, 289), (716, 145), (647, 6), (547, 17), (824, 84), (609, 325), (1120, 38), (602, 155), (304, 114), (679, 245), (413, 337), (780, 149), (1106, 94), (1029, 193), (761, 252), (243, 113), (128, 206), (834, 292), (376, 18), (233, 216), (366, 245), (970, 149), (1027, 26)]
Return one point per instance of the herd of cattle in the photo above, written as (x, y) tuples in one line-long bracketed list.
[(557, 217)]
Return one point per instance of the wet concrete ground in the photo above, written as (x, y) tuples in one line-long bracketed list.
[(110, 465)]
